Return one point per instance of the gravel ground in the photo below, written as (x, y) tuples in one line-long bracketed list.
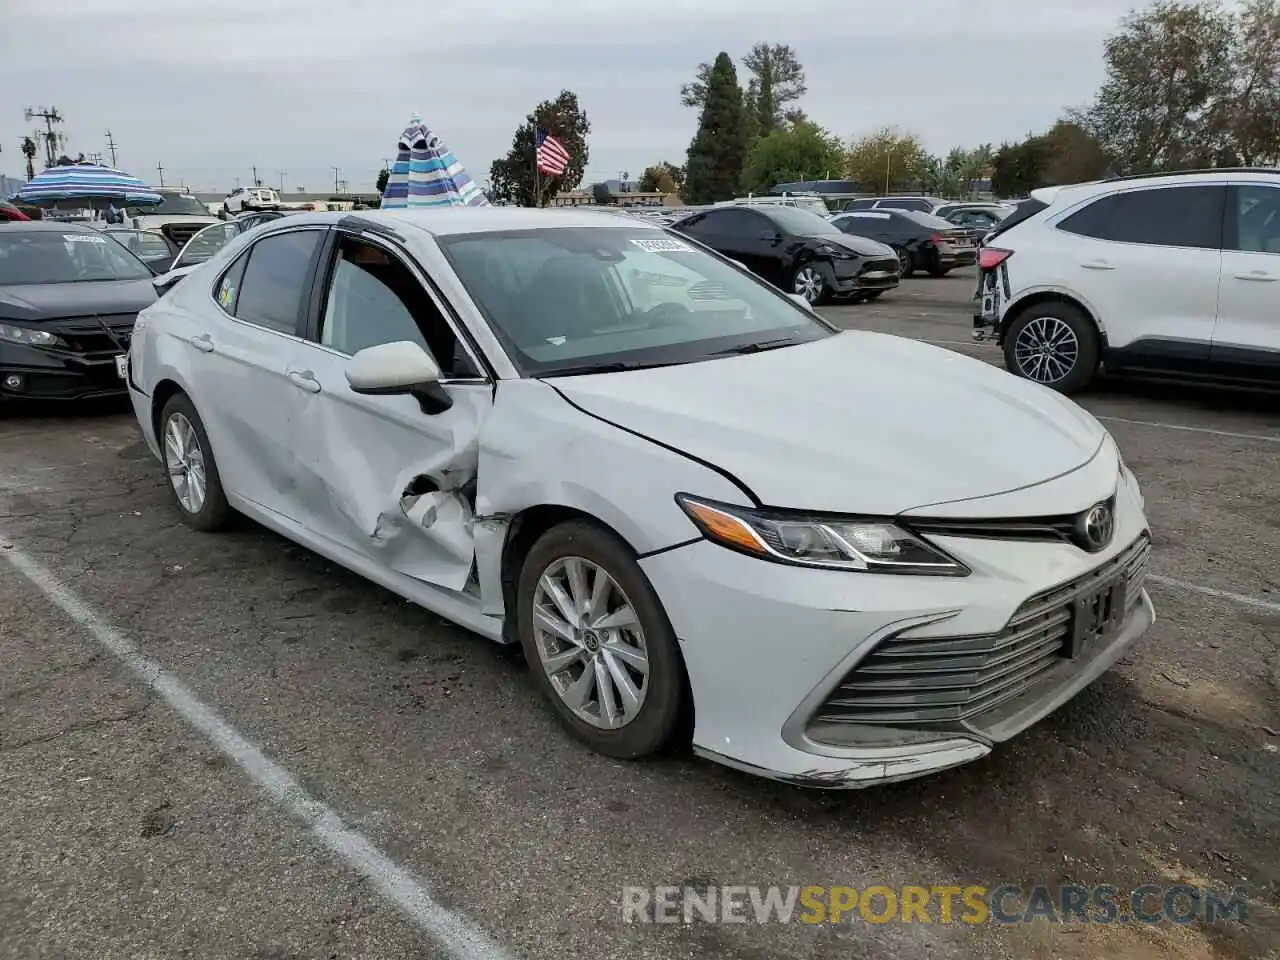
[(131, 829)]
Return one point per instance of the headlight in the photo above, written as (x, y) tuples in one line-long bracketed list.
[(834, 252), (869, 544), (39, 338)]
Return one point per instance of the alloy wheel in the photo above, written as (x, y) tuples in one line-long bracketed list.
[(904, 262), (808, 284), (590, 643), (1046, 350), (184, 460)]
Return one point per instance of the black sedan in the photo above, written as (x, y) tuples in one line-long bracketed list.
[(797, 251), (920, 241), (68, 299)]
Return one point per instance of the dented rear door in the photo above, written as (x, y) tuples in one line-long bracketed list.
[(383, 478)]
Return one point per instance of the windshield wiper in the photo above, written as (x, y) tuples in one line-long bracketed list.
[(613, 366), (758, 347)]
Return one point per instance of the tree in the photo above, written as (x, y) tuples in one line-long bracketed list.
[(1253, 125), (1168, 93), (383, 176), (777, 79), (1067, 153), (601, 195), (661, 178), (513, 175), (887, 160), (719, 147), (801, 152)]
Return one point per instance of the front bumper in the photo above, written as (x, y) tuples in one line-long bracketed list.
[(851, 278), (47, 373), (768, 648)]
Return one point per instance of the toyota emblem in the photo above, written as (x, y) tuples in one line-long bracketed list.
[(1095, 527)]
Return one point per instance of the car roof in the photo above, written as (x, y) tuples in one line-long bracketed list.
[(45, 226), (446, 221)]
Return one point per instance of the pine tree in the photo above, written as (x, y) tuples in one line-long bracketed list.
[(719, 148)]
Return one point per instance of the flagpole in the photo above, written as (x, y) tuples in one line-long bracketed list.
[(537, 187)]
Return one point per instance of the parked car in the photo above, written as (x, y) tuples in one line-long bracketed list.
[(795, 250), (920, 204), (179, 216), (68, 299), (244, 199), (703, 512), (207, 242), (978, 221), (918, 240), (999, 209), (1166, 275), (813, 204), (10, 213), (152, 248)]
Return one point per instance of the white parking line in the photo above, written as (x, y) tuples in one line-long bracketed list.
[(1178, 426), (1215, 592), (455, 935)]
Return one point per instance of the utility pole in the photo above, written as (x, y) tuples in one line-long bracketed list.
[(96, 158), (337, 172), (282, 176), (256, 181), (160, 170), (51, 140), (237, 183), (111, 146), (386, 164)]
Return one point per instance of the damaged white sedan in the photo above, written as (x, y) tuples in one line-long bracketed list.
[(834, 558)]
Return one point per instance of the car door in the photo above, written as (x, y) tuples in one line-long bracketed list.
[(377, 474), (1246, 338), (873, 224), (748, 237), (246, 397), (1147, 261)]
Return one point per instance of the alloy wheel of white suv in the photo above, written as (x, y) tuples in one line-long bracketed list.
[(1054, 344)]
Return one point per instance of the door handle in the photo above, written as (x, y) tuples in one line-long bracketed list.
[(305, 380), (203, 343), (1097, 265), (1257, 275)]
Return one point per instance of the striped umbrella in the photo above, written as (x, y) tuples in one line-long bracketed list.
[(427, 174), (87, 181)]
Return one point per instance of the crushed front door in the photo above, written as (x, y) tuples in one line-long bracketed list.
[(382, 477)]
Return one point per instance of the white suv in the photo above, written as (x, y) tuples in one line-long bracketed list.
[(1166, 275), (250, 198)]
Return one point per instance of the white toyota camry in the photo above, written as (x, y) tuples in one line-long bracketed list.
[(834, 558)]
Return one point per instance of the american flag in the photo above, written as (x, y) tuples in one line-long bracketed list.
[(553, 158)]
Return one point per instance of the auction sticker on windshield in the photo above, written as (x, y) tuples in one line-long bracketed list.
[(82, 238), (663, 245)]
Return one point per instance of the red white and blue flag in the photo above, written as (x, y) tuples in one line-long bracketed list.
[(553, 158)]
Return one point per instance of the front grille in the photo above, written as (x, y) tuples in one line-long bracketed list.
[(887, 265), (85, 337), (960, 682), (1060, 528), (180, 233)]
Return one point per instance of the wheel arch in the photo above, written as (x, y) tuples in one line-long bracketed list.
[(1038, 297), (161, 394)]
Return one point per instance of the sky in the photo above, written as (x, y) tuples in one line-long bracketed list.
[(210, 89)]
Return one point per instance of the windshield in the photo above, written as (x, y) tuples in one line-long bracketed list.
[(173, 205), (927, 220), (802, 223), (565, 299), (47, 257)]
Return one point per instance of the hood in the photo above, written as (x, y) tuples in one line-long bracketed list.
[(862, 246), (856, 423), (33, 302), (161, 219)]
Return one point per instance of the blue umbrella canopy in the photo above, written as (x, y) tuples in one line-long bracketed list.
[(87, 181), (427, 174)]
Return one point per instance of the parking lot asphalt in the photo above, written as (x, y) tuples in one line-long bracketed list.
[(226, 747)]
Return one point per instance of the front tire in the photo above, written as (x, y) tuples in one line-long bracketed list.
[(906, 263), (1054, 344), (194, 482), (809, 282), (599, 644)]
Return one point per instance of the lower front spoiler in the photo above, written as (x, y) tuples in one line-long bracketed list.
[(854, 768)]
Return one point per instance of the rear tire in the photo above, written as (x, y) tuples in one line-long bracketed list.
[(197, 492), (1053, 344), (601, 631)]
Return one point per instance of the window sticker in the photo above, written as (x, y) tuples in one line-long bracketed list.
[(82, 238), (663, 245)]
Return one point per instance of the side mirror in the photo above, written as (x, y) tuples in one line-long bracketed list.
[(394, 369), (799, 298)]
